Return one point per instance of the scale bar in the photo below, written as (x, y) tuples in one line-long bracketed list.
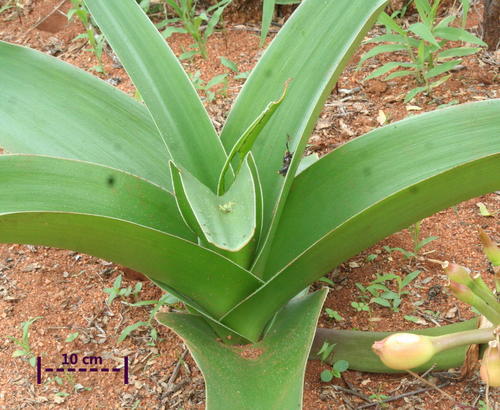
[(38, 370)]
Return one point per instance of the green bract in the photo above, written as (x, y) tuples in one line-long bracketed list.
[(225, 222)]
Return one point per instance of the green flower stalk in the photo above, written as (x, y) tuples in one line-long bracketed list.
[(490, 365), (404, 351), (473, 291), (466, 295)]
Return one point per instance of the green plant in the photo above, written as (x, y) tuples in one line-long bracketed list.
[(166, 299), (192, 23), (408, 350), (118, 291), (217, 85), (382, 295), (325, 351), (333, 314), (418, 243), (360, 306), (24, 342), (71, 337), (96, 41), (336, 370), (226, 223), (240, 75), (424, 44)]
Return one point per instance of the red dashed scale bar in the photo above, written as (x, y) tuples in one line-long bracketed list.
[(81, 369)]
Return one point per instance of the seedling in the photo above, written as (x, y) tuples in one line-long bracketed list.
[(199, 26), (239, 75), (96, 41), (379, 398), (418, 243), (336, 371), (217, 85), (360, 306), (166, 299), (325, 351), (384, 296), (71, 337), (423, 43), (24, 342), (333, 314), (118, 291)]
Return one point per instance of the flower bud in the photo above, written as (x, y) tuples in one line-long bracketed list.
[(457, 273), (402, 351), (490, 248), (490, 365)]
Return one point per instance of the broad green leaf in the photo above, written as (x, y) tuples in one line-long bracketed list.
[(441, 68), (384, 48), (49, 107), (458, 52), (246, 141), (355, 347), (228, 221), (313, 67), (306, 162), (378, 183), (272, 370), (423, 32), (37, 183), (169, 95), (194, 272), (458, 34)]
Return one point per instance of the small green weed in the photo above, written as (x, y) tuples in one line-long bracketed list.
[(333, 314), (96, 41), (200, 26), (418, 243), (378, 292), (360, 306), (423, 42), (217, 85), (118, 291), (24, 342), (325, 351), (336, 371), (166, 299)]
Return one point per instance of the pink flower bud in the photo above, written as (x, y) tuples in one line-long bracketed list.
[(457, 273), (402, 351), (490, 365)]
